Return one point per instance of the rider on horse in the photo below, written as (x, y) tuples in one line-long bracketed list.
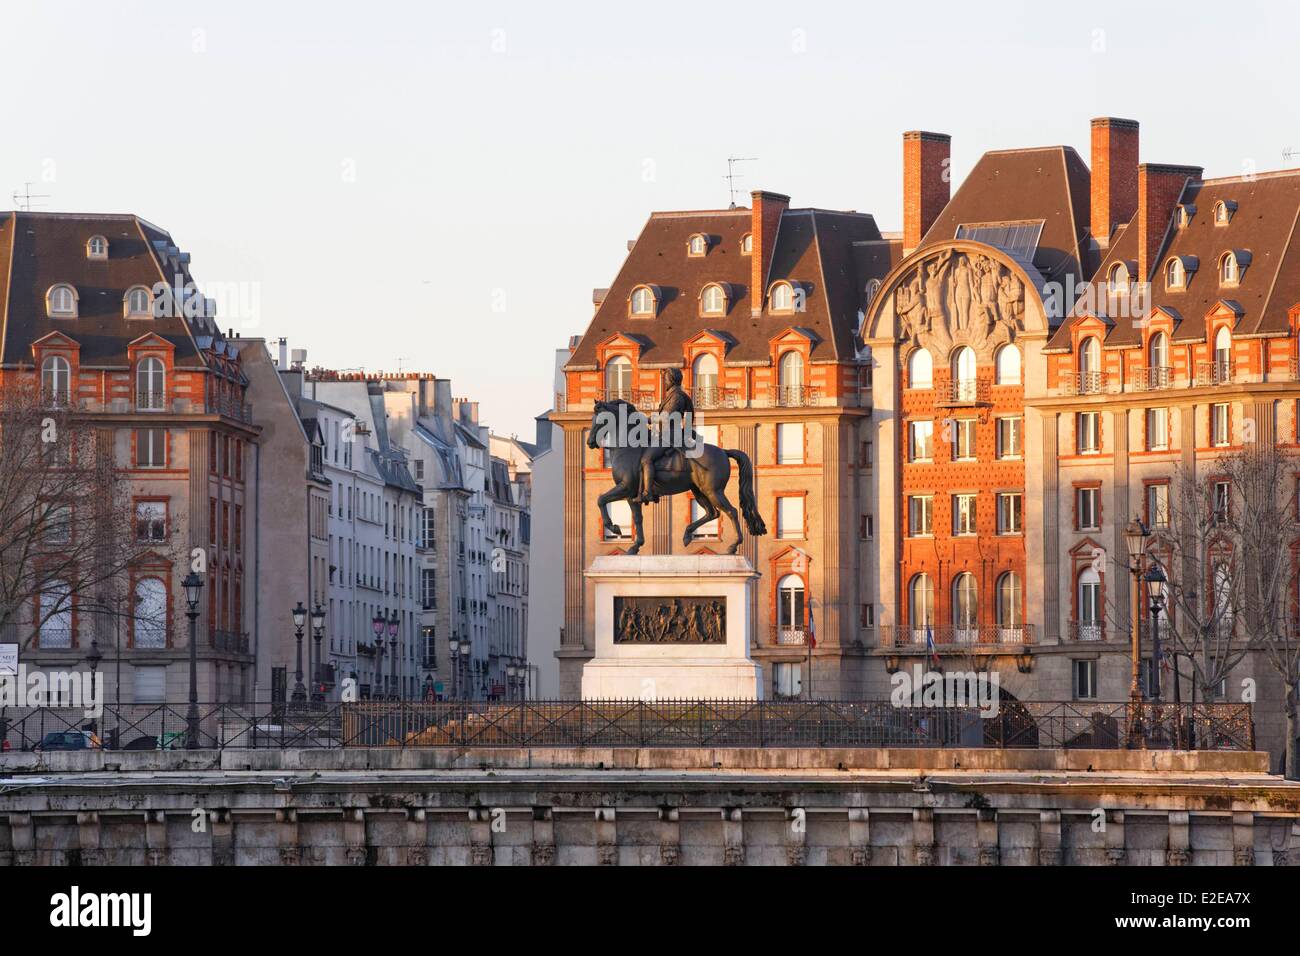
[(673, 428)]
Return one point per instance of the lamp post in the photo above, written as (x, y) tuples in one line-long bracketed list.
[(193, 585), (510, 679), (299, 620), (1156, 581), (453, 647), (377, 624), (1135, 538), (93, 657), (394, 623), (318, 632)]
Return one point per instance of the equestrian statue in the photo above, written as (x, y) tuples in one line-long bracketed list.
[(661, 455)]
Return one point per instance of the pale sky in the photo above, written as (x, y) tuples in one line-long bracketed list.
[(442, 185)]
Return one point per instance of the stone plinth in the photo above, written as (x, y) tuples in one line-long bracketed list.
[(673, 669)]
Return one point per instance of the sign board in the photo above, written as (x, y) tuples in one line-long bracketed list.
[(8, 658)]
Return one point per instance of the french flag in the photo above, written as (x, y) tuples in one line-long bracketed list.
[(929, 644)]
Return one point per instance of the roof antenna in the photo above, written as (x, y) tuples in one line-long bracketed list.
[(1288, 154), (23, 200), (731, 176)]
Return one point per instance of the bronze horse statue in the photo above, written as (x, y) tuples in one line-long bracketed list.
[(704, 471)]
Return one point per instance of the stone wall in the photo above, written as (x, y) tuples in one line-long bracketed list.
[(649, 807)]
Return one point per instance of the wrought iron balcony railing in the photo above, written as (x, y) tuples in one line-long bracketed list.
[(1217, 372), (149, 401), (643, 398), (955, 639), (966, 392), (793, 396), (1085, 383), (1086, 631), (1152, 379), (710, 396), (787, 636), (56, 398)]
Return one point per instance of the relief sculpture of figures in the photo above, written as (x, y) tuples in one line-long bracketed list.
[(670, 620), (960, 293), (959, 298)]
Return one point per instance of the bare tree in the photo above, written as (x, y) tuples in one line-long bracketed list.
[(67, 534)]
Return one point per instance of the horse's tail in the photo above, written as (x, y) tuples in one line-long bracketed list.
[(748, 500)]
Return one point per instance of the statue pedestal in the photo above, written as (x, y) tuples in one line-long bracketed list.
[(672, 627)]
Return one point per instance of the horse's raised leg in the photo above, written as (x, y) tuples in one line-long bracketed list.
[(616, 493), (637, 530), (730, 511), (710, 512)]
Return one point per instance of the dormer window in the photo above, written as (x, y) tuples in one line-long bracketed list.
[(643, 301), (1175, 274), (1229, 273), (61, 302), (747, 244), (698, 245), (138, 302), (1119, 279), (713, 300), (1223, 210), (96, 247), (1185, 214), (781, 298)]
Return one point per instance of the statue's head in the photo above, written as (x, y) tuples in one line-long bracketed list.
[(672, 378)]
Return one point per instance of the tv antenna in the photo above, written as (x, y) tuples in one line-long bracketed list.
[(1290, 153), (732, 176), (23, 200)]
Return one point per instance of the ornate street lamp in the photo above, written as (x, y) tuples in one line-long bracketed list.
[(453, 646), (393, 623), (193, 587), (377, 624), (1156, 583), (318, 632), (299, 620), (1135, 539)]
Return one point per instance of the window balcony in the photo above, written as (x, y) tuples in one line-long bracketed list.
[(1086, 631), (787, 636), (713, 397), (1152, 379), (1086, 383), (643, 398), (56, 398), (965, 392), (149, 401), (793, 396), (1209, 374), (952, 639)]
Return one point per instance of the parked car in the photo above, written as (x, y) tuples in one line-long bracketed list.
[(169, 741), (69, 740)]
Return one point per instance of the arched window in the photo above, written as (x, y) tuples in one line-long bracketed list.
[(1010, 605), (150, 613), (1224, 610), (1221, 213), (61, 301), (56, 615), (920, 369), (965, 608), (920, 606), (704, 378), (1089, 623), (782, 298), (713, 300), (747, 245), (149, 382), (1118, 281), (1090, 365), (643, 301), (697, 246), (1222, 354), (1008, 365), (138, 301), (1158, 350), (56, 382), (1175, 274), (873, 287), (96, 247), (790, 604), (618, 378), (790, 379), (963, 374), (1228, 272)]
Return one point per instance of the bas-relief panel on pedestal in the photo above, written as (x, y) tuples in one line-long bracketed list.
[(959, 298), (670, 620)]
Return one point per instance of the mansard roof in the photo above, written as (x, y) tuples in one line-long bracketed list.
[(813, 247), (39, 250)]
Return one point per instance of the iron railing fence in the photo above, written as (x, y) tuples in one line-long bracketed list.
[(632, 723)]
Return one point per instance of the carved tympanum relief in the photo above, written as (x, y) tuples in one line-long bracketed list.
[(959, 298)]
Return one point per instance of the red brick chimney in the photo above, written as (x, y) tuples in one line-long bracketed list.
[(1159, 188), (1114, 175), (765, 211), (927, 185)]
